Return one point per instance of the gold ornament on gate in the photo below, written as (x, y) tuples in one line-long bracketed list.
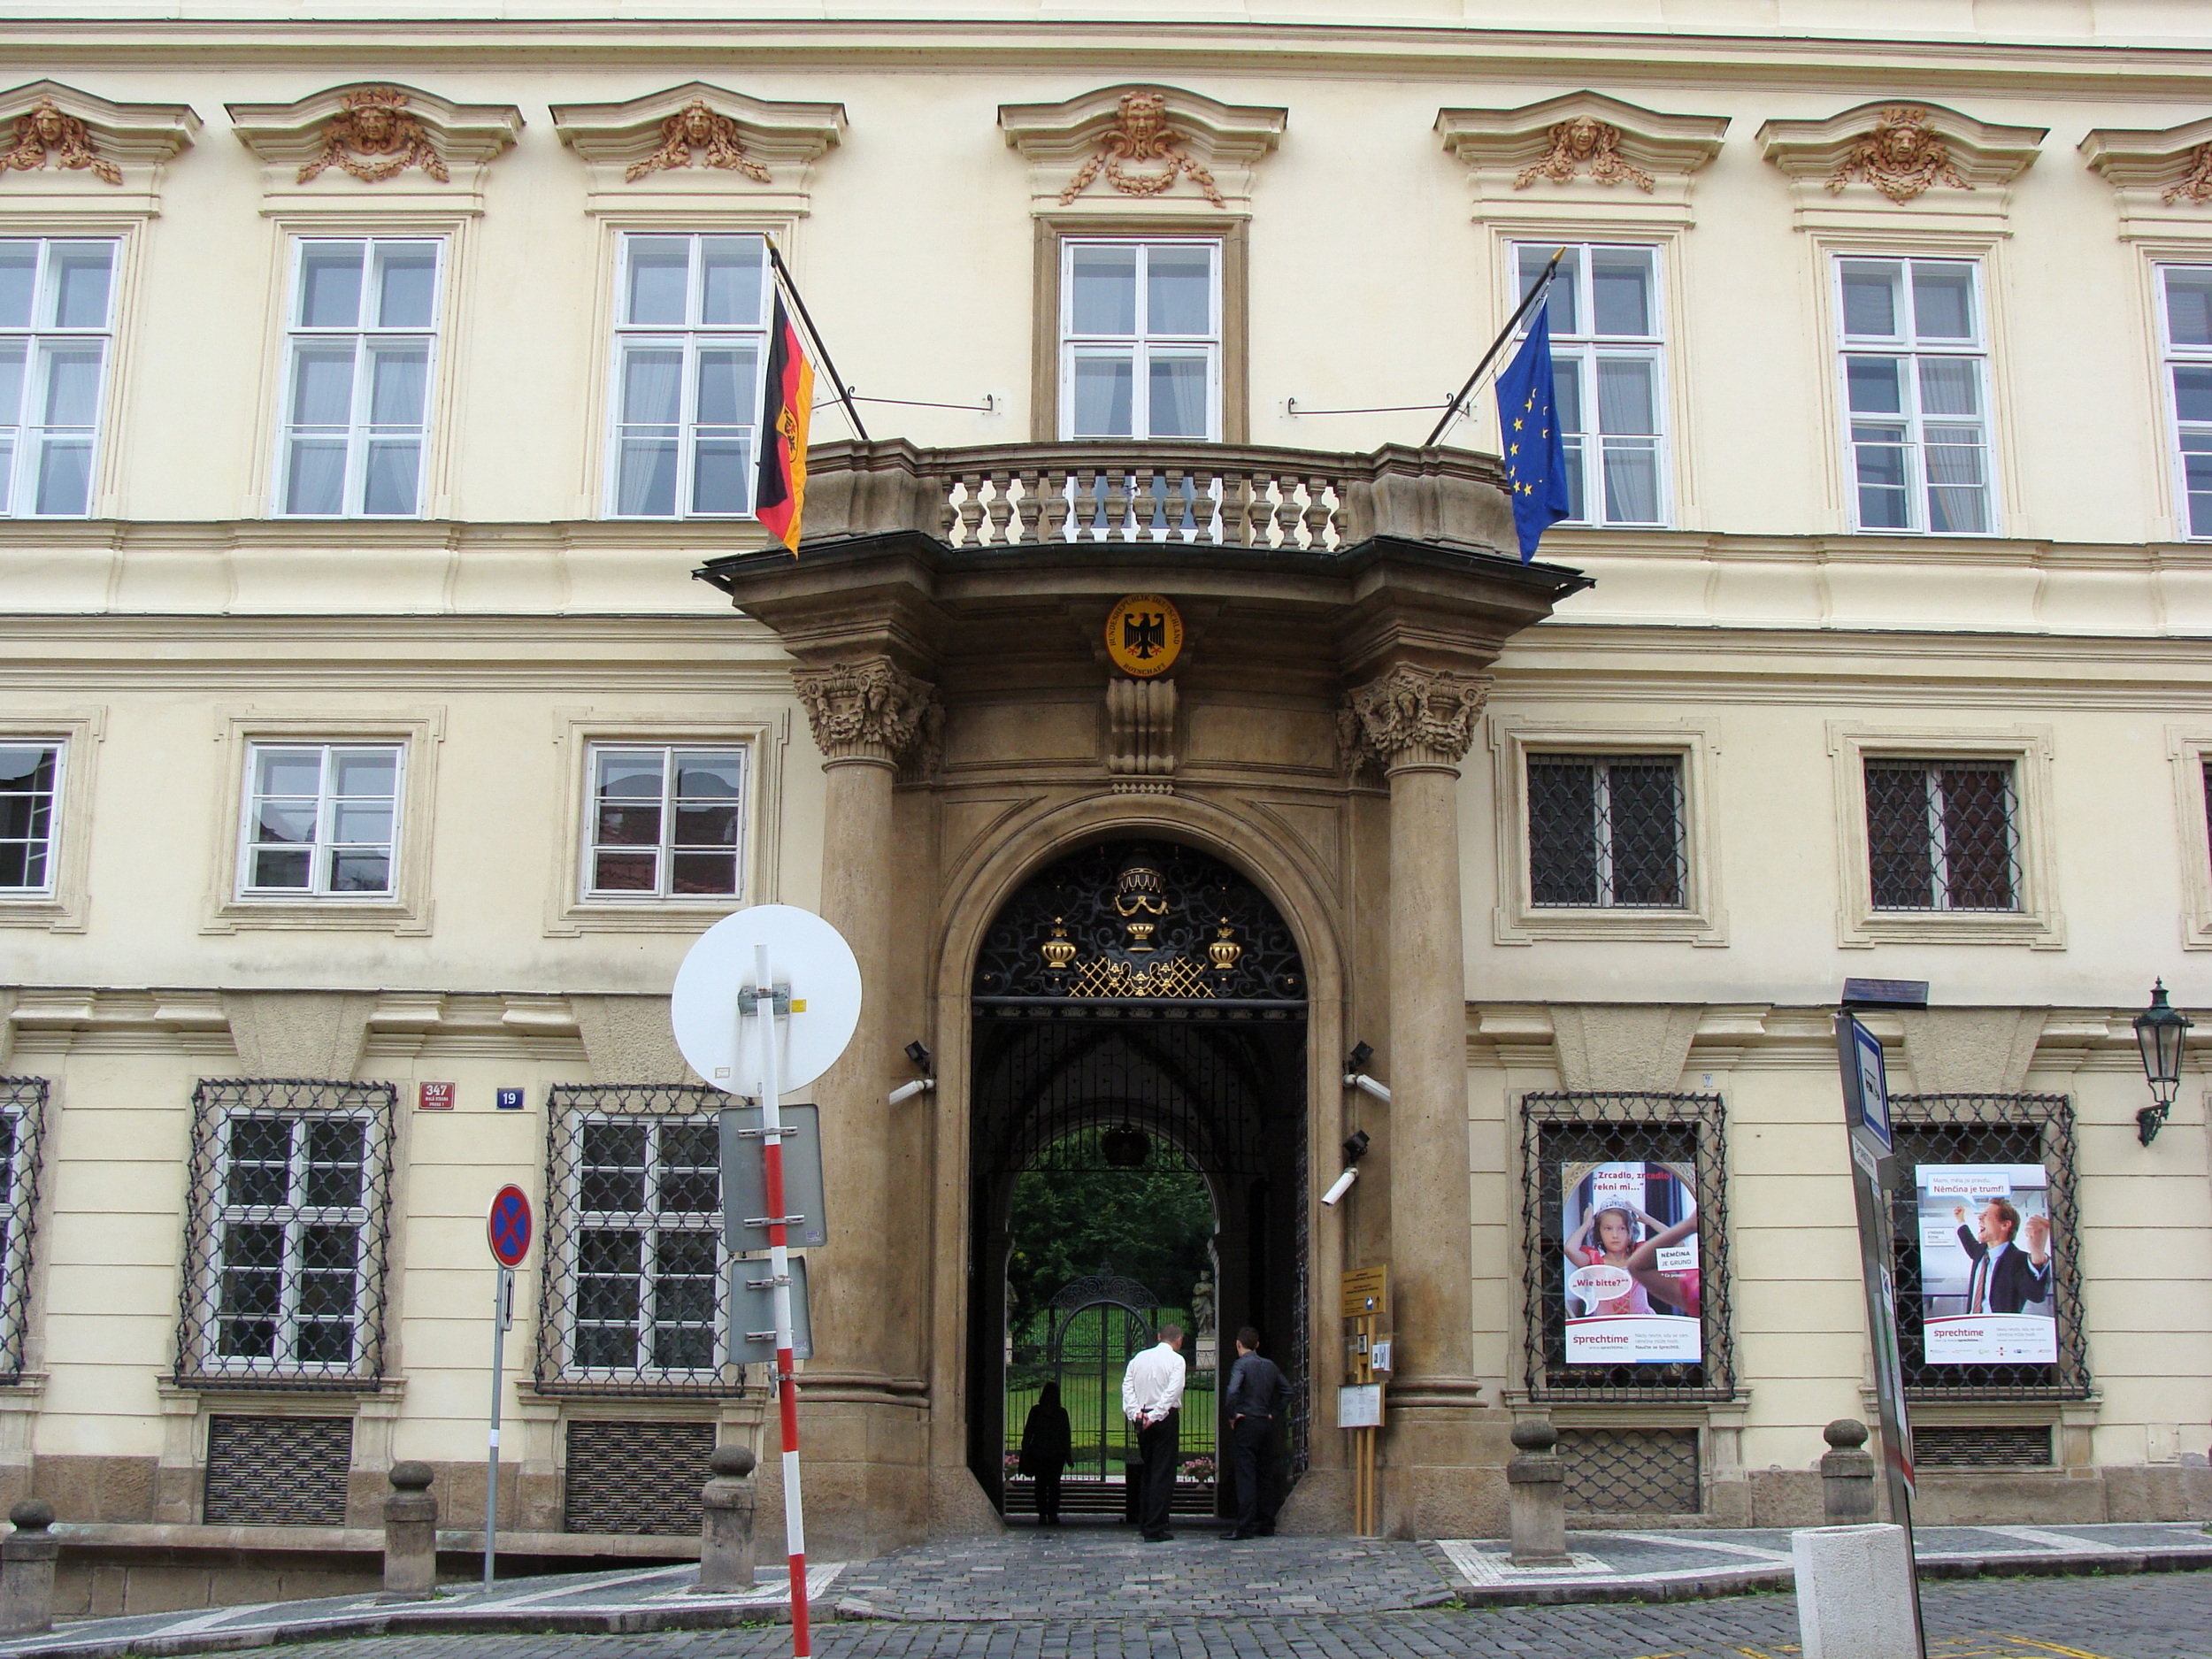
[(1225, 951), (1144, 635), (1059, 950)]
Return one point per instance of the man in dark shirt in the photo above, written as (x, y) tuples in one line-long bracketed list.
[(1258, 1398)]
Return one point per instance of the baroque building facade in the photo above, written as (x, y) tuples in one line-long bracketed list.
[(381, 576)]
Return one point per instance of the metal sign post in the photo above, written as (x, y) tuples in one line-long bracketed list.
[(1867, 1120), (769, 995), (1364, 1295), (508, 1230)]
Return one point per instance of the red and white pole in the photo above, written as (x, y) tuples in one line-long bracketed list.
[(779, 1279)]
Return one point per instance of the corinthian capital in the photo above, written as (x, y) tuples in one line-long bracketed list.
[(869, 711), (1411, 717)]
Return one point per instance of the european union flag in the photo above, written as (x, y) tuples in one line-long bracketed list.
[(1535, 457)]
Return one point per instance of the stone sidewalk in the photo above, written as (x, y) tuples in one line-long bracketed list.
[(1104, 1574)]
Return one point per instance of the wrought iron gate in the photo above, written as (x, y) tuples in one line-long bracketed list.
[(1149, 989)]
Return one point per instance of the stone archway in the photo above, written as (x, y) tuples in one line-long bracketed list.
[(1150, 985)]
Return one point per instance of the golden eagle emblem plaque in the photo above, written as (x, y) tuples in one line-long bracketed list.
[(1144, 635)]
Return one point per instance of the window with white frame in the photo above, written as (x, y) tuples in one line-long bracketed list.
[(321, 820), (361, 351), (1914, 362), (690, 330), (1609, 377), (57, 307), (1140, 338), (2186, 310), (289, 1209), (648, 1242), (1943, 834), (30, 794), (1606, 832), (667, 822)]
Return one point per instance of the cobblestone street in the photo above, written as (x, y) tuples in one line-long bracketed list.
[(2165, 1615)]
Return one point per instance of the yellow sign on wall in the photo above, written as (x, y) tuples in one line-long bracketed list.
[(1144, 635), (1366, 1290)]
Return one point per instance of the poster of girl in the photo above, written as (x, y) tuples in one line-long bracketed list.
[(1633, 1291)]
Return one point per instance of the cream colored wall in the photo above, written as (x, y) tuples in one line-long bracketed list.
[(1370, 285)]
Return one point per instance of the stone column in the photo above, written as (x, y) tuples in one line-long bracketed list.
[(727, 1504), (868, 717), (410, 1532), (26, 1570), (1416, 724)]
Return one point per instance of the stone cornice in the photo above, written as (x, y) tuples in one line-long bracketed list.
[(2163, 178), (1868, 166), (1579, 151), (1141, 148), (374, 139), (698, 140), (93, 151)]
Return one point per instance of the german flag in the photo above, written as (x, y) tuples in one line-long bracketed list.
[(780, 497)]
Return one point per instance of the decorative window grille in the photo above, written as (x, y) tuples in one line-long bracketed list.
[(277, 1472), (635, 1296), (321, 820), (364, 333), (1560, 1129), (22, 1124), (1986, 1129), (1609, 377), (2185, 296), (1140, 338), (30, 796), (1606, 832), (284, 1251), (667, 823), (57, 305), (1943, 834), (1915, 383), (1631, 1471), (637, 1478), (690, 326), (2001, 1445)]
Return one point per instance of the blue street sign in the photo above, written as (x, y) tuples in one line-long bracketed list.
[(509, 1100)]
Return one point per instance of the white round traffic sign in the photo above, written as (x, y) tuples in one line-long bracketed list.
[(803, 952)]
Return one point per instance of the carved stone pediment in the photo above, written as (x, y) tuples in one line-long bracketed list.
[(2164, 177), (55, 140), (1581, 149), (1141, 150), (1894, 154), (699, 138), (375, 135)]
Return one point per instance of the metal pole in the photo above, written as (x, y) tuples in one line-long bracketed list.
[(807, 316), (1542, 287), (770, 1001), (503, 1310)]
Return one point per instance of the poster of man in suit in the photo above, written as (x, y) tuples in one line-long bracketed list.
[(1986, 1264)]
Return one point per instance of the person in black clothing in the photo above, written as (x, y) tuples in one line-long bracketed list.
[(1258, 1401), (1047, 1443), (2005, 1278)]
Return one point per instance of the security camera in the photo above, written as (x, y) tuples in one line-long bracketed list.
[(1343, 1185)]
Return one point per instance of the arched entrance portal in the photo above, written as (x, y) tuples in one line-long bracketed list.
[(1142, 1006)]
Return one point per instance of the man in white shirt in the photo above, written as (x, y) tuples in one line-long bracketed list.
[(1152, 1398)]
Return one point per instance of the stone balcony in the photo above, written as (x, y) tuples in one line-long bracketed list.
[(1208, 494)]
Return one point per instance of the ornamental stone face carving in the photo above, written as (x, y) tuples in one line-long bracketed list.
[(2197, 185), (1903, 158), (45, 131), (1141, 136), (698, 135), (1586, 145), (1411, 717), (373, 139), (869, 711)]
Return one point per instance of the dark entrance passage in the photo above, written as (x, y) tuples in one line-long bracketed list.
[(1139, 1013)]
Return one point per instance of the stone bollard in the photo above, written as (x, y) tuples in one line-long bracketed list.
[(410, 1533), (1847, 1474), (26, 1570), (725, 1526), (1536, 1483), (1853, 1593)]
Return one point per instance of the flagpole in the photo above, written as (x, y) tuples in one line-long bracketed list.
[(1452, 411), (845, 397)]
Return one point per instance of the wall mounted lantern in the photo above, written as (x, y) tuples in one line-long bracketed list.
[(2159, 1031)]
